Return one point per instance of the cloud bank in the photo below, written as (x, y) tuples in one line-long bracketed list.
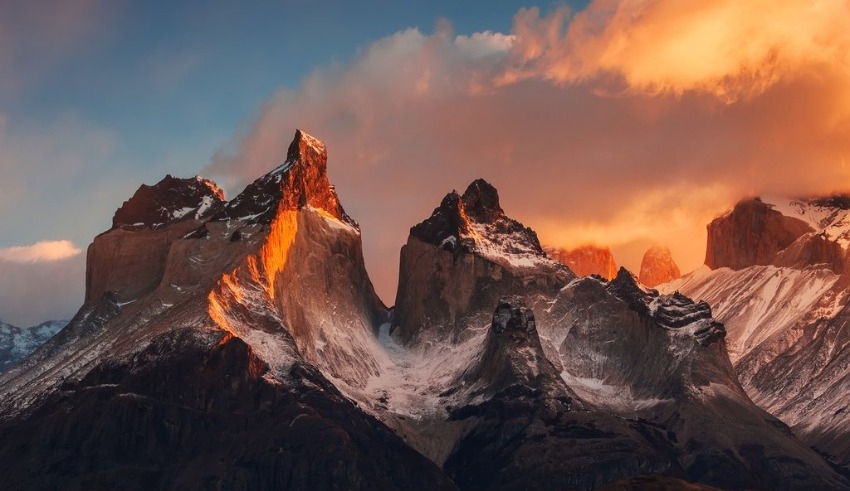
[(624, 124)]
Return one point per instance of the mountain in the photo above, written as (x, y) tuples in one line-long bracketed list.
[(196, 361), (586, 260), (776, 275), (240, 345), (551, 381), (657, 267), (17, 342)]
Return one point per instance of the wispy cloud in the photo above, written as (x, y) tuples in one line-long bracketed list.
[(48, 250)]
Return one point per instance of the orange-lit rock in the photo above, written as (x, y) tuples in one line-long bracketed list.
[(587, 260), (658, 266), (753, 233)]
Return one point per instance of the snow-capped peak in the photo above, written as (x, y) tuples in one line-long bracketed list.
[(475, 223)]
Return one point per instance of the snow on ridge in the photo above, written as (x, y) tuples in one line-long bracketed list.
[(511, 247), (833, 222), (756, 302)]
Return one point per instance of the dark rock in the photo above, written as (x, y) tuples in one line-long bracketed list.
[(181, 416), (168, 201)]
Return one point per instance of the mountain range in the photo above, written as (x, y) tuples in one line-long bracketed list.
[(240, 345)]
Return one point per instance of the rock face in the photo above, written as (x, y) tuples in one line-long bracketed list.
[(657, 267), (461, 260), (786, 319), (247, 350), (753, 233), (587, 260), (17, 342)]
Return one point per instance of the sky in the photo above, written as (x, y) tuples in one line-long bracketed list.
[(620, 123)]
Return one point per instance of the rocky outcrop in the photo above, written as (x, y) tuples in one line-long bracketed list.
[(461, 260), (813, 249), (657, 267), (680, 378), (587, 260), (753, 233)]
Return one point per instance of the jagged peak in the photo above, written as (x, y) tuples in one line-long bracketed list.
[(304, 143), (481, 202), (475, 223), (300, 181), (170, 200)]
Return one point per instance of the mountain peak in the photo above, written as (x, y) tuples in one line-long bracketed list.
[(304, 144), (475, 223), (170, 200), (481, 201), (658, 266), (300, 181)]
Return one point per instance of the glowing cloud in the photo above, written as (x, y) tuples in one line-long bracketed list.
[(726, 47), (48, 250), (625, 124)]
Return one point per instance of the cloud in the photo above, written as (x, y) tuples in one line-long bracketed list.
[(596, 126), (727, 47), (48, 250)]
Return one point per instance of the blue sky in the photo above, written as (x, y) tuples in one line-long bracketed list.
[(617, 122)]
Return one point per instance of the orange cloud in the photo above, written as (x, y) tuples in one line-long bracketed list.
[(603, 126), (726, 47), (48, 250)]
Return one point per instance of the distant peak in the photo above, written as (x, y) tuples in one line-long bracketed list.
[(586, 260), (658, 266)]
